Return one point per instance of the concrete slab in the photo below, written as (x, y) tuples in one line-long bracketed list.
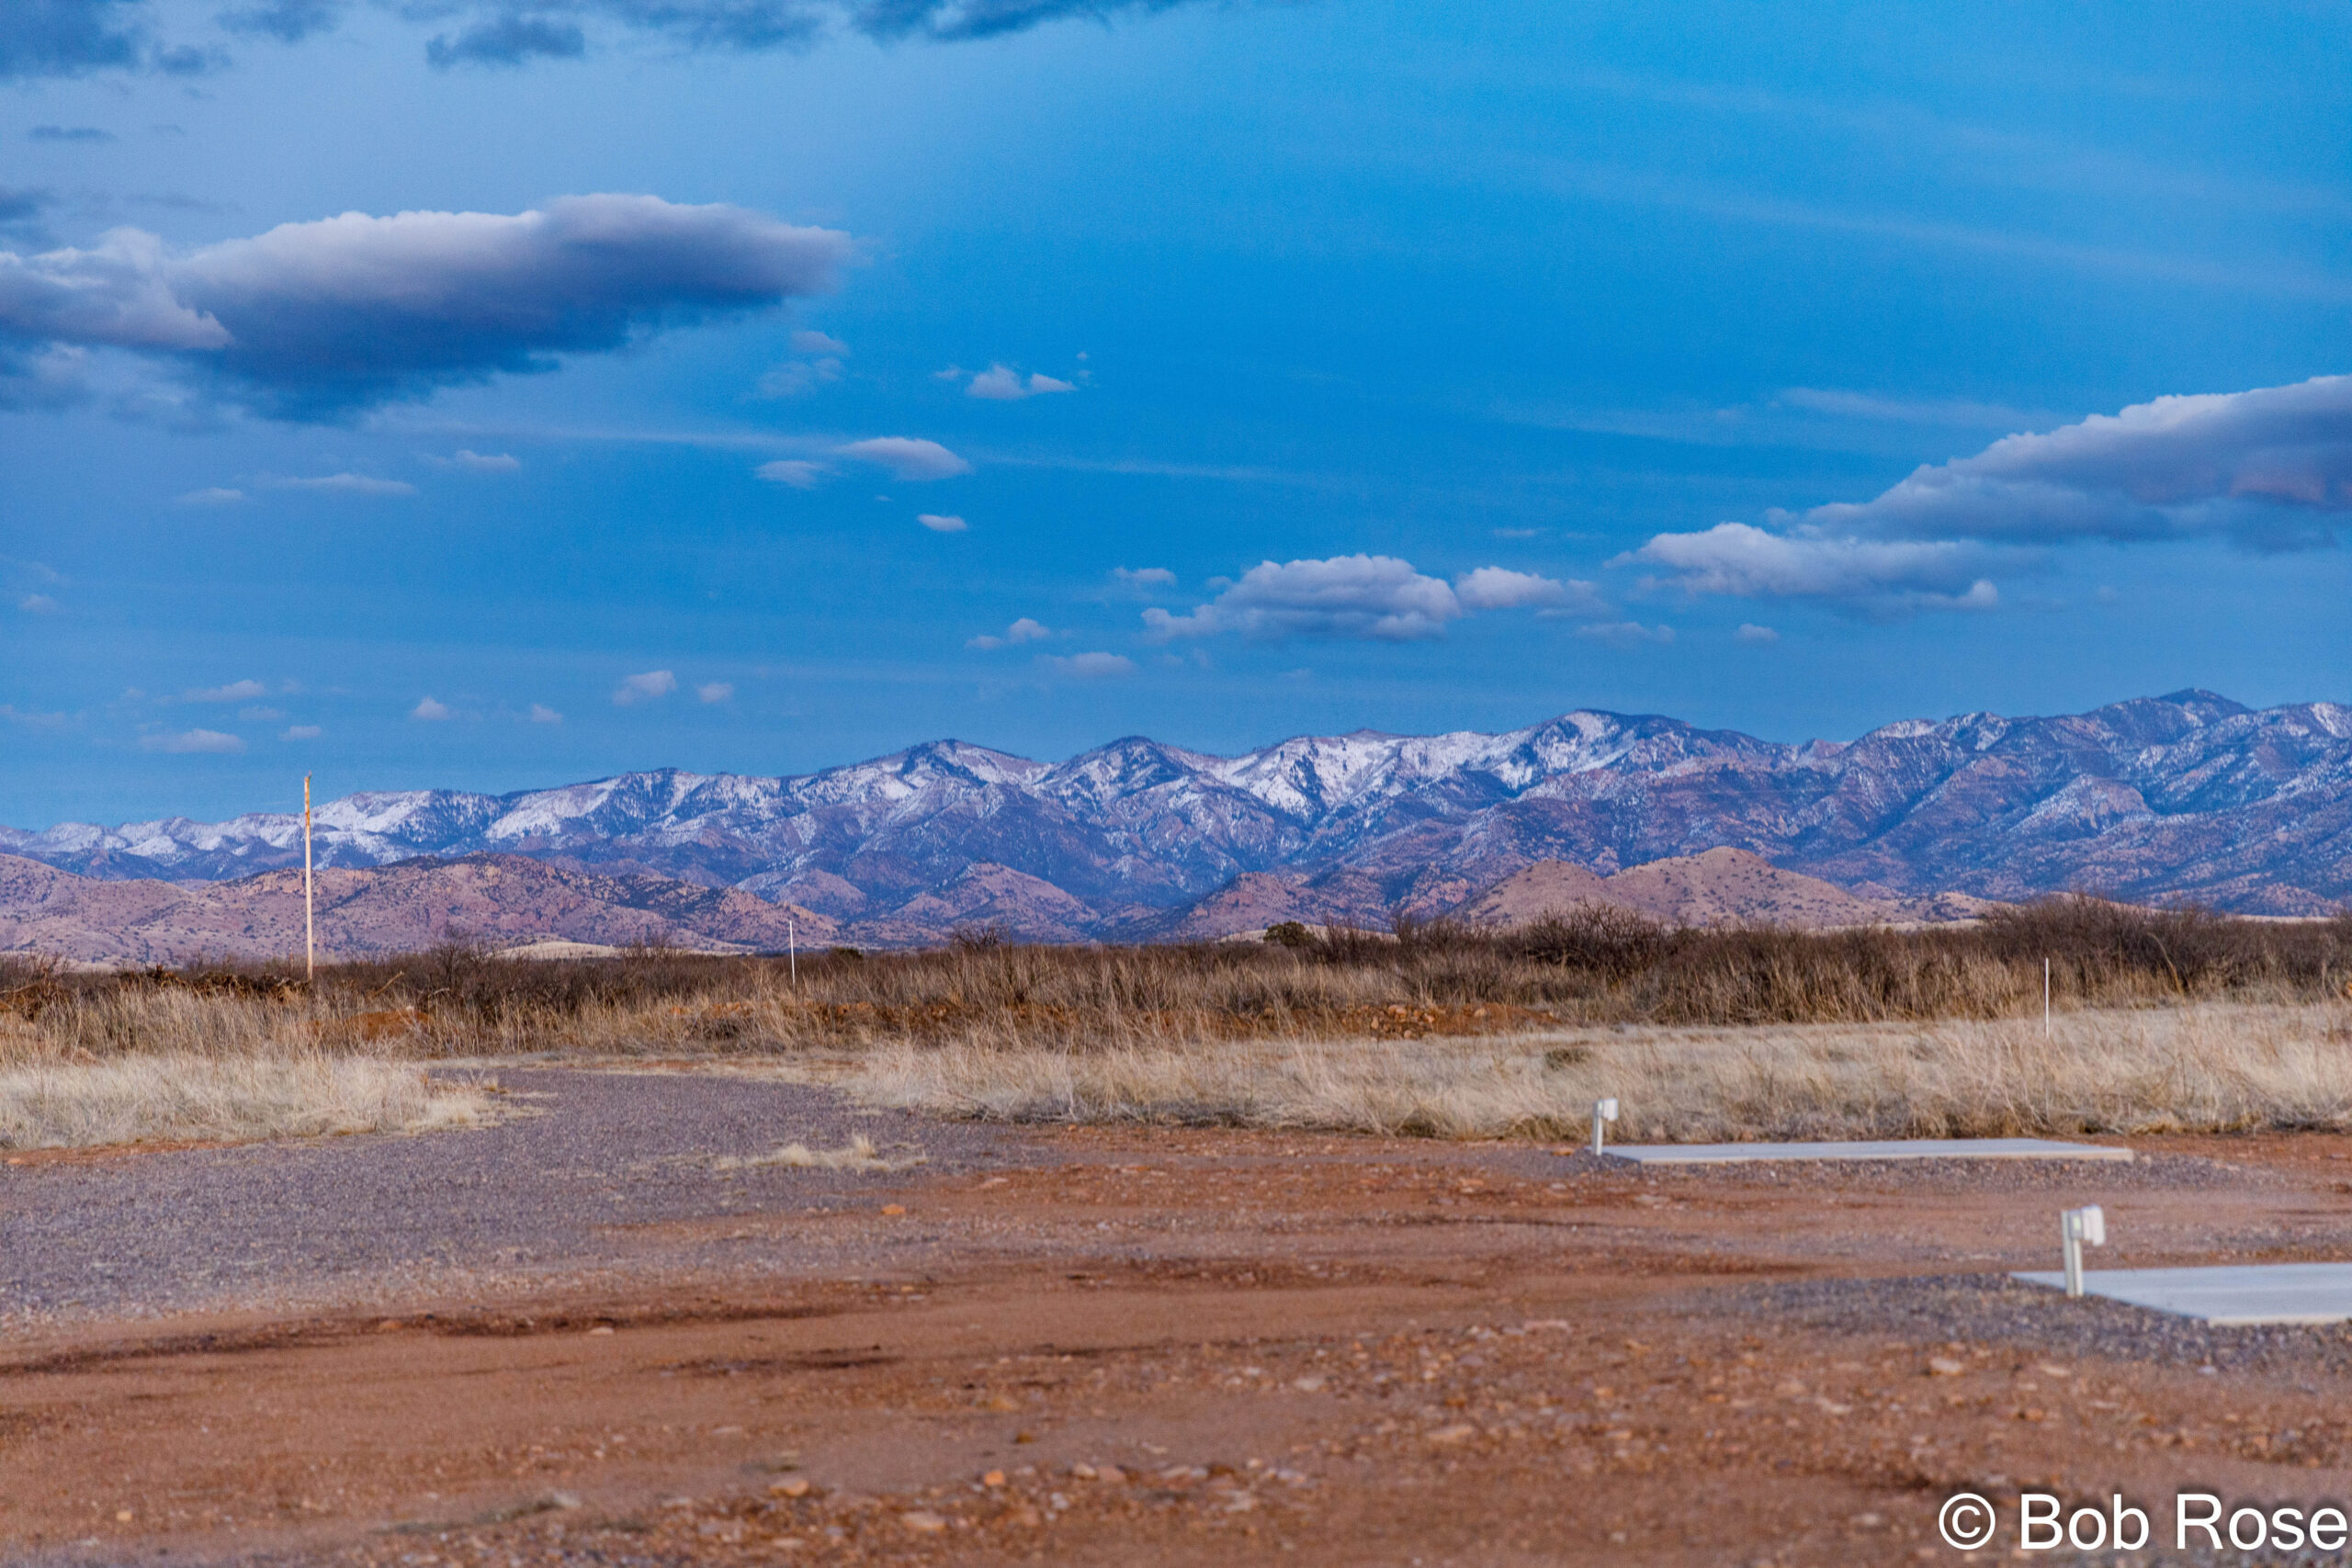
[(1902, 1148), (2238, 1293)]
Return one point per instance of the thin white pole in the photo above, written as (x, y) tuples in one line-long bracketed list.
[(791, 943), (310, 905)]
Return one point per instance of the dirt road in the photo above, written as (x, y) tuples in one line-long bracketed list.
[(1119, 1346)]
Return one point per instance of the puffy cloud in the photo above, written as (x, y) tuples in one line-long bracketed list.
[(482, 462), (235, 691), (907, 458), (1144, 576), (1001, 383), (2267, 469), (818, 345), (793, 472), (1088, 666), (320, 319), (644, 688), (432, 711), (715, 692), (344, 484), (1497, 587), (37, 604), (193, 741), (542, 714), (2270, 468), (1021, 631), (1750, 632), (821, 364), (1626, 634), (301, 732), (1746, 562), (1374, 597), (941, 524)]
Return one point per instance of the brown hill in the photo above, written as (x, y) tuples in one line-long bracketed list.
[(499, 900), (1717, 887)]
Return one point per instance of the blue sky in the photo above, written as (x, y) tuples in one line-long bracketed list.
[(1376, 365)]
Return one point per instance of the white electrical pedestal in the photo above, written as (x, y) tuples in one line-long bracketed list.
[(1603, 1112), (2077, 1227)]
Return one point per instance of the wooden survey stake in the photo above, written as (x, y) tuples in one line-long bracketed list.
[(309, 917)]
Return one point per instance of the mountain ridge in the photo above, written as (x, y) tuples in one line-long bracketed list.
[(2189, 796)]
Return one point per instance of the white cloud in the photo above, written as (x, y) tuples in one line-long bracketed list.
[(938, 524), (1750, 632), (1742, 562), (819, 345), (261, 714), (37, 604), (213, 495), (1001, 383), (2270, 468), (234, 692), (483, 462), (314, 320), (1497, 587), (1958, 413), (542, 714), (344, 484), (2267, 469), (1377, 597), (645, 688), (715, 691), (906, 457), (301, 732), (1021, 631), (1088, 666), (431, 710), (1626, 634), (798, 377), (1144, 576), (793, 472), (193, 741)]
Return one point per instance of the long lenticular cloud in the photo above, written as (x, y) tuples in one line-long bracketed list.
[(320, 319), (2266, 469)]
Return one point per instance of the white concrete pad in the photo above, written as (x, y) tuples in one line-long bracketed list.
[(1903, 1148), (2239, 1293)]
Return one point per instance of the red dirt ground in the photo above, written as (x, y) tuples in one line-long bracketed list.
[(1200, 1346)]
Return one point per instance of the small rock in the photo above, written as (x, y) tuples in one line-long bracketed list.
[(1309, 1384), (1112, 1474), (1459, 1433), (993, 1478), (1945, 1367), (122, 1516), (564, 1500), (896, 1209), (796, 1487), (923, 1522), (1083, 1471), (600, 1328)]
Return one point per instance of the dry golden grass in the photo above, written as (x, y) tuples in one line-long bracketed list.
[(2205, 1067), (2166, 1018), (858, 1154), (192, 1098)]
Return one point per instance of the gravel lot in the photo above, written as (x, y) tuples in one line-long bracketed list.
[(557, 1188)]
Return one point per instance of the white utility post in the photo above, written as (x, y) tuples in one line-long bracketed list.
[(792, 945), (309, 905), (2077, 1227), (1603, 1112)]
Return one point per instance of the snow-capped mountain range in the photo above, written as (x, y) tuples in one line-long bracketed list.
[(2189, 795)]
